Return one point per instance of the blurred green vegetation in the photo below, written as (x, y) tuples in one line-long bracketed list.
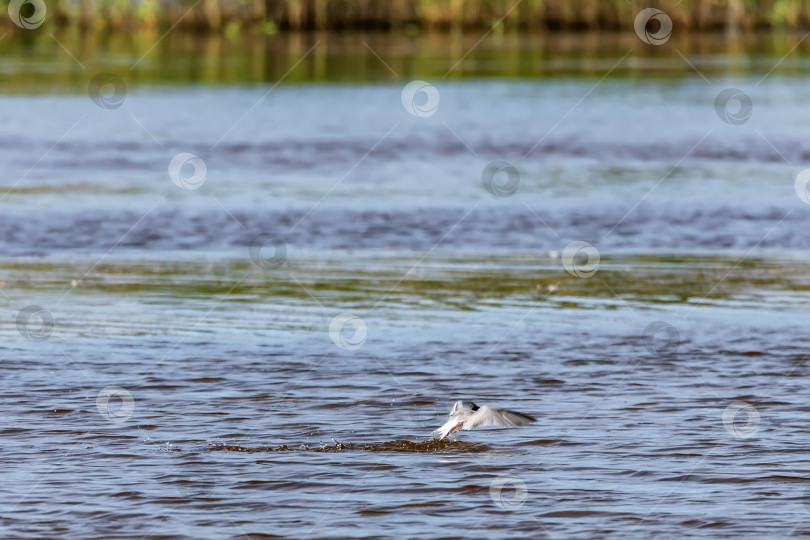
[(461, 283), (268, 16), (63, 61)]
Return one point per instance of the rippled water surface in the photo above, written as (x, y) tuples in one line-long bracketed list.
[(267, 355)]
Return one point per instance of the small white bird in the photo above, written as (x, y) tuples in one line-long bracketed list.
[(468, 415)]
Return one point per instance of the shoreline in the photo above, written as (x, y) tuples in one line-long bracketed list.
[(409, 16)]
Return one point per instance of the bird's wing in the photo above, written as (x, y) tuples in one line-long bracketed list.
[(445, 430), (457, 406), (492, 416), (457, 416)]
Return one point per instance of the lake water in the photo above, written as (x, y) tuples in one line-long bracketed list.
[(267, 353)]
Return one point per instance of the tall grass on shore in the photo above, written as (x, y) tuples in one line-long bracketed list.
[(272, 15)]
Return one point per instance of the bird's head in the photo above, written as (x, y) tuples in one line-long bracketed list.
[(459, 405)]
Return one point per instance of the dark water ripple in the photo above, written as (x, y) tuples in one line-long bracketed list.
[(288, 156), (477, 228)]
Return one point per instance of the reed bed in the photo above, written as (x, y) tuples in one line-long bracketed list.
[(413, 15)]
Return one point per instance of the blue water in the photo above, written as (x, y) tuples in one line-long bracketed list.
[(267, 355)]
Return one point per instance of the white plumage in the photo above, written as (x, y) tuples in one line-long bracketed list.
[(468, 415)]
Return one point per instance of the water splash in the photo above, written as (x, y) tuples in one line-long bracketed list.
[(399, 446)]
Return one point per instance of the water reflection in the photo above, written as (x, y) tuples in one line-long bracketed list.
[(66, 60)]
